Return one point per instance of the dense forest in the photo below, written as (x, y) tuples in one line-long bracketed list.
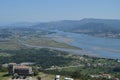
[(44, 58)]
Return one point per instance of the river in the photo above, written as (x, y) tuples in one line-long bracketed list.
[(95, 46)]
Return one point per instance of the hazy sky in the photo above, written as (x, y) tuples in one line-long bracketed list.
[(52, 10)]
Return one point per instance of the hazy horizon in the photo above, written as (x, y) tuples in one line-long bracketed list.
[(19, 22), (53, 10)]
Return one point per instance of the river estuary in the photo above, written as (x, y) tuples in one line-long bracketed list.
[(95, 46)]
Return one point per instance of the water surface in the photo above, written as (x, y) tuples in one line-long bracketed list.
[(96, 46)]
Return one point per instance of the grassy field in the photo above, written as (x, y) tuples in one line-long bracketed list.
[(10, 45), (2, 74), (49, 43), (43, 42)]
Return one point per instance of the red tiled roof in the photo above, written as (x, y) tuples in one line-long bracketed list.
[(22, 67)]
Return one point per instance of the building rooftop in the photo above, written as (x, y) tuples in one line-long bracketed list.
[(12, 63), (22, 67)]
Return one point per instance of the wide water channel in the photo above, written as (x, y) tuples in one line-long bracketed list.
[(95, 46)]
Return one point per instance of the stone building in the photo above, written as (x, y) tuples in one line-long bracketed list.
[(20, 69)]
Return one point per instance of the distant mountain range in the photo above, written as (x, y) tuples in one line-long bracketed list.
[(98, 27), (71, 24), (87, 26), (84, 24)]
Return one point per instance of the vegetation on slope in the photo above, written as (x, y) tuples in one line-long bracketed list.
[(42, 57)]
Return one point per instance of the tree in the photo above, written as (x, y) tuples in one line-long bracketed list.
[(38, 78), (76, 75)]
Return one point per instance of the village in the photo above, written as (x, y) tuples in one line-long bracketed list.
[(24, 70)]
